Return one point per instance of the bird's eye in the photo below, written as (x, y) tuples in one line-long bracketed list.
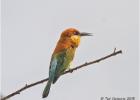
[(76, 33)]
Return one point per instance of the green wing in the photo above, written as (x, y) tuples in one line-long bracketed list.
[(64, 59), (61, 59)]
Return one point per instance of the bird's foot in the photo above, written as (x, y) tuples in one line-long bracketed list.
[(70, 70)]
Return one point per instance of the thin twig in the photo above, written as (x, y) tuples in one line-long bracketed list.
[(69, 71)]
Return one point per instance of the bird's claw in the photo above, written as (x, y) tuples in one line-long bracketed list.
[(70, 70)]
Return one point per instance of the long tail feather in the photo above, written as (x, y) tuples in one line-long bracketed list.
[(47, 89)]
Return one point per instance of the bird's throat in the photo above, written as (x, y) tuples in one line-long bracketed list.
[(75, 40)]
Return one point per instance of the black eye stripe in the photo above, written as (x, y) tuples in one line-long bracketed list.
[(76, 33)]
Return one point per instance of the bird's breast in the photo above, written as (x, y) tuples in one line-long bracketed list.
[(70, 53)]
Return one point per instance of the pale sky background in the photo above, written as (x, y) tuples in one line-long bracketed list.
[(31, 28)]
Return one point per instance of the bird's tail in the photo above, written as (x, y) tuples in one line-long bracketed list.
[(47, 89)]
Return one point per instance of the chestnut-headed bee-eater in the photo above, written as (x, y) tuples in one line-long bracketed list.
[(63, 55)]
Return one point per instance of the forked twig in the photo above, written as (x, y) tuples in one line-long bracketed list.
[(69, 71)]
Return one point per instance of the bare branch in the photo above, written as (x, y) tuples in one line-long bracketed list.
[(69, 71)]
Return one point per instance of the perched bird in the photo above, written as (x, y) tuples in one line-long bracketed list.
[(63, 55)]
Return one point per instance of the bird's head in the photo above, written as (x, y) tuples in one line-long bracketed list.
[(73, 35)]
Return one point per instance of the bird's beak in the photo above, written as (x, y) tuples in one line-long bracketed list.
[(85, 34)]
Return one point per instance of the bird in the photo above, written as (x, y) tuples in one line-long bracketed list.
[(63, 55)]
